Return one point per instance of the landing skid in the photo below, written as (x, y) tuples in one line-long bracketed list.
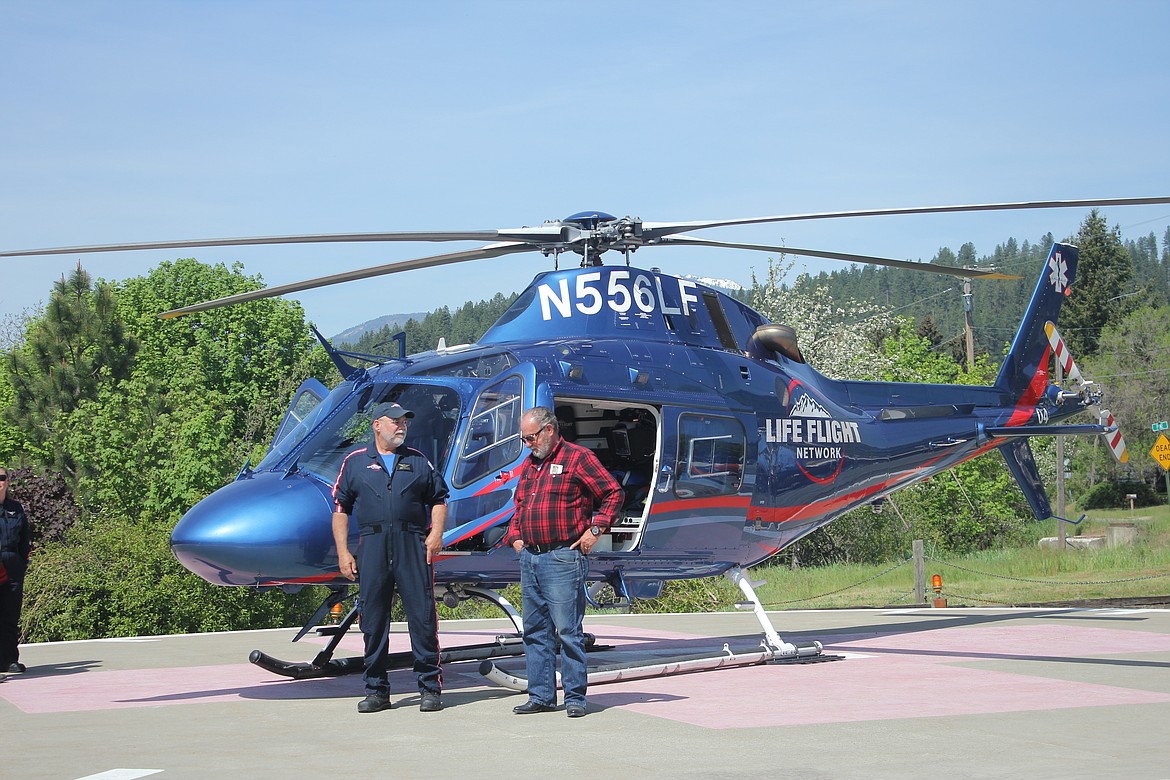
[(325, 665), (772, 650)]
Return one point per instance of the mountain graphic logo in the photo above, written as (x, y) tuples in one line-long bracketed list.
[(807, 406)]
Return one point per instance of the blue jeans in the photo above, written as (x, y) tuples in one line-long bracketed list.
[(553, 585)]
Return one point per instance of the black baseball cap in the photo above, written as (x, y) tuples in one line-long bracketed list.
[(392, 410)]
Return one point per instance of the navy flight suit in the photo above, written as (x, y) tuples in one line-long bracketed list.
[(393, 516)]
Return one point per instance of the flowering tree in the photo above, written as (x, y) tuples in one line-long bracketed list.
[(841, 339)]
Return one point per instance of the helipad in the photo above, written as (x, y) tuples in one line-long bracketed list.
[(1058, 693)]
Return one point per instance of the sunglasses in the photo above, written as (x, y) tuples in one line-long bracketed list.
[(3, 477)]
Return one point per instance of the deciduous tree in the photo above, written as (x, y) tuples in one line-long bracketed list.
[(206, 391)]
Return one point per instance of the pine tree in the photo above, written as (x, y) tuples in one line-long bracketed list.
[(1104, 277), (76, 345)]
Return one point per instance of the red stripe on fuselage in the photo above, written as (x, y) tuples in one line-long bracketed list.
[(501, 479), (683, 504), (829, 506), (481, 527), (1026, 406)]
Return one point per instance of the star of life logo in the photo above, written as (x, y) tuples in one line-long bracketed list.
[(1058, 277), (815, 438)]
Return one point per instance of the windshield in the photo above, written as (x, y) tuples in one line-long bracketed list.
[(436, 415), (286, 440)]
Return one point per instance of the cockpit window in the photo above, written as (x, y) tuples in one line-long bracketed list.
[(308, 397), (436, 415)]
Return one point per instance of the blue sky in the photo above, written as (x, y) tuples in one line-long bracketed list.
[(137, 121)]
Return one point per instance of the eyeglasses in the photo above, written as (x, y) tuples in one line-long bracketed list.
[(3, 477), (531, 437)]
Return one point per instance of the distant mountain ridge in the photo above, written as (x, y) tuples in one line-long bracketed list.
[(719, 284), (395, 321)]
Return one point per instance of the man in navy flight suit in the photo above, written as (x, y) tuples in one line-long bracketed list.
[(399, 501)]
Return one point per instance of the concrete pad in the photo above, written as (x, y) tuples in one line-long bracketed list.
[(1076, 542), (956, 693)]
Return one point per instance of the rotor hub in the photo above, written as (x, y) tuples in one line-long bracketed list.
[(592, 233)]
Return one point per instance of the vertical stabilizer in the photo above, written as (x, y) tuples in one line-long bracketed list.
[(1024, 373), (1018, 455)]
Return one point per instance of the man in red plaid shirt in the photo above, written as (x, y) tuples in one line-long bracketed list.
[(565, 500)]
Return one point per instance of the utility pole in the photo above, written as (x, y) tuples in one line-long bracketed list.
[(1060, 530), (969, 327), (919, 571)]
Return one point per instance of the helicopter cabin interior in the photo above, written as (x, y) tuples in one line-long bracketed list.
[(625, 438)]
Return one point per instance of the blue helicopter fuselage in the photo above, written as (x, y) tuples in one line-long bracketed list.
[(729, 447)]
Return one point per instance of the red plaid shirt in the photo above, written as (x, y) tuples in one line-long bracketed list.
[(557, 497)]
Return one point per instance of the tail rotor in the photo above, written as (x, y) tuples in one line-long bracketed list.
[(1087, 393)]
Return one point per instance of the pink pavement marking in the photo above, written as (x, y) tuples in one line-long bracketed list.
[(125, 688), (1003, 640), (898, 675), (886, 676)]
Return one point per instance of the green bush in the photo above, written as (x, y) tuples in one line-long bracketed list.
[(119, 578), (710, 594), (1114, 495)]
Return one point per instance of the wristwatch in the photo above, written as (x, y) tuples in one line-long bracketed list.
[(596, 531)]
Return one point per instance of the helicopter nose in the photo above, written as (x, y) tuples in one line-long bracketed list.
[(264, 529)]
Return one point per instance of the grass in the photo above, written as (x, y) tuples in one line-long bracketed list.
[(1023, 575), (1026, 575)]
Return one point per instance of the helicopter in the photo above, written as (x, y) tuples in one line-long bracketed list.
[(728, 445)]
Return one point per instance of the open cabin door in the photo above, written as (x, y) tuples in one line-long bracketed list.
[(627, 438), (489, 449)]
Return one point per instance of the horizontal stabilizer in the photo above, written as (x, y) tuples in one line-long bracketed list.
[(1018, 431)]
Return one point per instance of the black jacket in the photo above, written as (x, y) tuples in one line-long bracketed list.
[(15, 539)]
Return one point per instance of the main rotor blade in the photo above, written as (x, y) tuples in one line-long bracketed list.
[(963, 273), (491, 250), (554, 233), (541, 234), (656, 229)]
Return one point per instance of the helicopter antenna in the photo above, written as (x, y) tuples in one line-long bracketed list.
[(346, 370)]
